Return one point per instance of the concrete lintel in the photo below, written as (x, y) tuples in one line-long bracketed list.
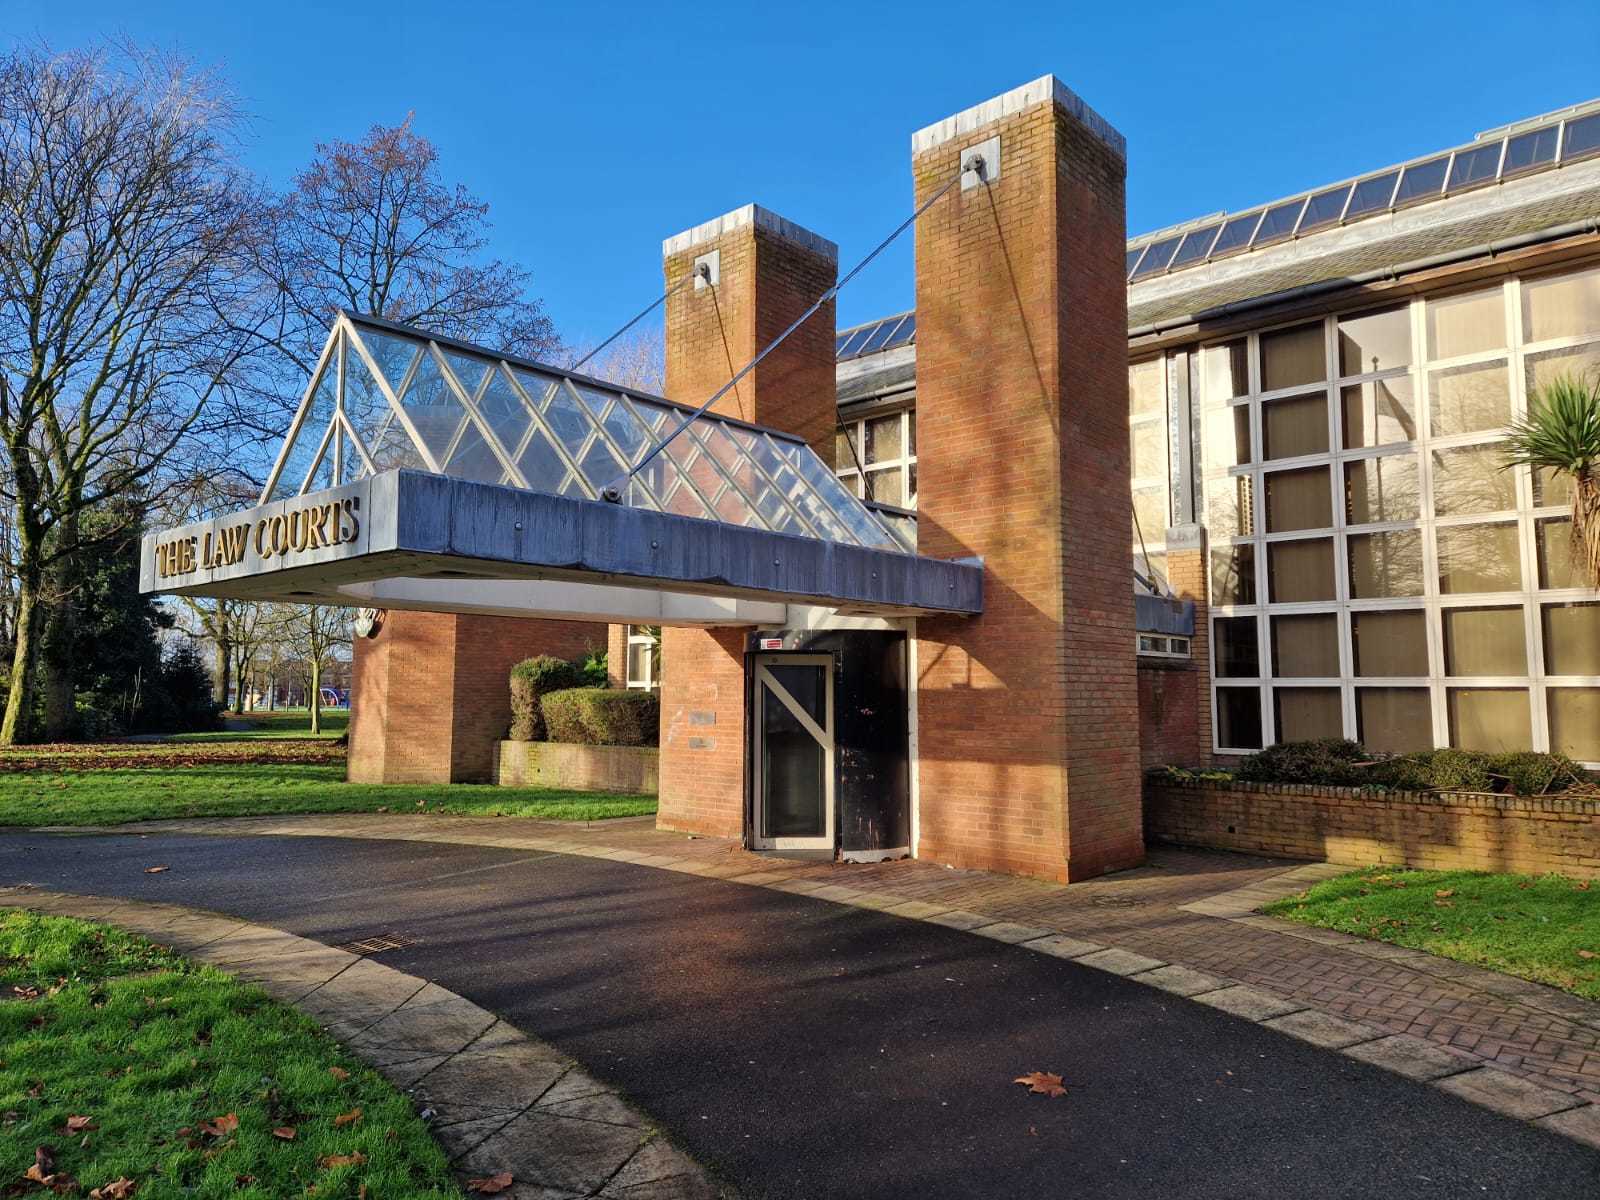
[(414, 525), (563, 600)]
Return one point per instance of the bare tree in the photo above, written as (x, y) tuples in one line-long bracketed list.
[(122, 220), (321, 631), (636, 361), (372, 227)]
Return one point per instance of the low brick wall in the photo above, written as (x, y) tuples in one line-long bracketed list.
[(581, 768), (1453, 830)]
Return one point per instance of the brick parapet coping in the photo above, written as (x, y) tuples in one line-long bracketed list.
[(1467, 1075), (499, 1099), (1496, 801)]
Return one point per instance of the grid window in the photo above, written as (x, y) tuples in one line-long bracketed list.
[(876, 458), (1147, 438), (644, 657), (1356, 465)]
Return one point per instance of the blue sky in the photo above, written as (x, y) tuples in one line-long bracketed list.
[(595, 130)]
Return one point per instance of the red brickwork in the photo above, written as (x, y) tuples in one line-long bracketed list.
[(617, 656), (430, 695), (1187, 576), (766, 281), (1168, 712), (1448, 831), (1028, 714)]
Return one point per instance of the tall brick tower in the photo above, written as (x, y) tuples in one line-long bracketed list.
[(1027, 715), (761, 272)]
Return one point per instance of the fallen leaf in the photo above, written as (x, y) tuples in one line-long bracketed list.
[(1444, 903), (44, 1160), (330, 1161), (1043, 1082), (490, 1185), (156, 870), (24, 993), (243, 1181), (339, 1073), (1582, 887), (1444, 893), (79, 1124), (219, 1126), (1587, 954), (349, 1118), (284, 1133), (119, 1188)]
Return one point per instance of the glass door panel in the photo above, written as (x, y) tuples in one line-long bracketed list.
[(794, 752)]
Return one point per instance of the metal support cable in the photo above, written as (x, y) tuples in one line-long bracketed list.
[(614, 491), (643, 313)]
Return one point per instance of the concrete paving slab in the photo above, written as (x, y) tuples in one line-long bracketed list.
[(1120, 962), (957, 918), (919, 910), (1323, 1029), (560, 1153), (1011, 932), (1059, 945), (659, 1171), (1181, 981), (1507, 1093), (1410, 1056), (1248, 1002), (1581, 1124)]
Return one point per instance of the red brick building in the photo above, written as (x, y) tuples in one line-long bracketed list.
[(890, 566)]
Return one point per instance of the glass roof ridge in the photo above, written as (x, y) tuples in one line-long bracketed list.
[(386, 396), (446, 342)]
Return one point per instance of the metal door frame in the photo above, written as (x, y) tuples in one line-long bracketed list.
[(765, 683)]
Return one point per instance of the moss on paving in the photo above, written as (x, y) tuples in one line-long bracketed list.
[(1540, 927), (153, 1050), (112, 796)]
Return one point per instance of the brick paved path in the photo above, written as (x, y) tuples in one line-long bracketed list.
[(1526, 1029)]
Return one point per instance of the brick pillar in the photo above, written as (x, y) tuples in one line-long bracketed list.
[(1028, 719), (430, 695), (1187, 575), (617, 656), (765, 271)]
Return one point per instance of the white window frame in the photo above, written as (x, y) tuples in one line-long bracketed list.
[(1525, 515), (651, 681), (856, 430)]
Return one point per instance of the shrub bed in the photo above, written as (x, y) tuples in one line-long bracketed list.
[(593, 716), (1338, 762), (531, 679)]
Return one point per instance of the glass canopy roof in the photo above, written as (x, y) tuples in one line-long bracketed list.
[(385, 396)]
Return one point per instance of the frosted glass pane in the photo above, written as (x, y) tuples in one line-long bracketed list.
[(1382, 489), (1147, 388), (1385, 564), (1305, 646), (1389, 644), (1293, 356), (472, 459), (1375, 342), (1394, 720), (1479, 558), (1379, 412), (1557, 567), (1561, 306), (541, 466), (1484, 641), (1300, 571), (1224, 372), (1228, 506), (1571, 639), (1489, 719), (1298, 500), (1472, 479), (1469, 324), (1149, 449), (1306, 713), (1575, 722), (1467, 399), (1296, 426), (504, 411), (1227, 437)]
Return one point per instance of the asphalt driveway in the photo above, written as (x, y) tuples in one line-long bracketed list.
[(804, 1049)]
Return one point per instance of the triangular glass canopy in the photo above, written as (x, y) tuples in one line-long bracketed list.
[(385, 396)]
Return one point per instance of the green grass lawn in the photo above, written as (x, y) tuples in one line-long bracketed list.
[(126, 1062), (1545, 928), (283, 723), (112, 795)]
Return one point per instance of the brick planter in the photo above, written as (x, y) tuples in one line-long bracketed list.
[(580, 768), (1442, 831)]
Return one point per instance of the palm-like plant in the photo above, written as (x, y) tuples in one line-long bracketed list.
[(1561, 433)]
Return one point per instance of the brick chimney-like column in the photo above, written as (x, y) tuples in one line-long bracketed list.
[(1028, 724), (761, 272)]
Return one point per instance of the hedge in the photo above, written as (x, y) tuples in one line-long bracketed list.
[(530, 680), (1339, 762), (593, 716)]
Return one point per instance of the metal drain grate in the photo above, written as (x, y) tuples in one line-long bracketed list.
[(378, 944)]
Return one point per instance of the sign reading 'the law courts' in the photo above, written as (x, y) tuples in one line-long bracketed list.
[(304, 531)]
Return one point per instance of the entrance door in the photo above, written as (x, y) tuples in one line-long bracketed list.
[(793, 752)]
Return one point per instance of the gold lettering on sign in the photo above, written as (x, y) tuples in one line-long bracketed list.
[(312, 527)]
